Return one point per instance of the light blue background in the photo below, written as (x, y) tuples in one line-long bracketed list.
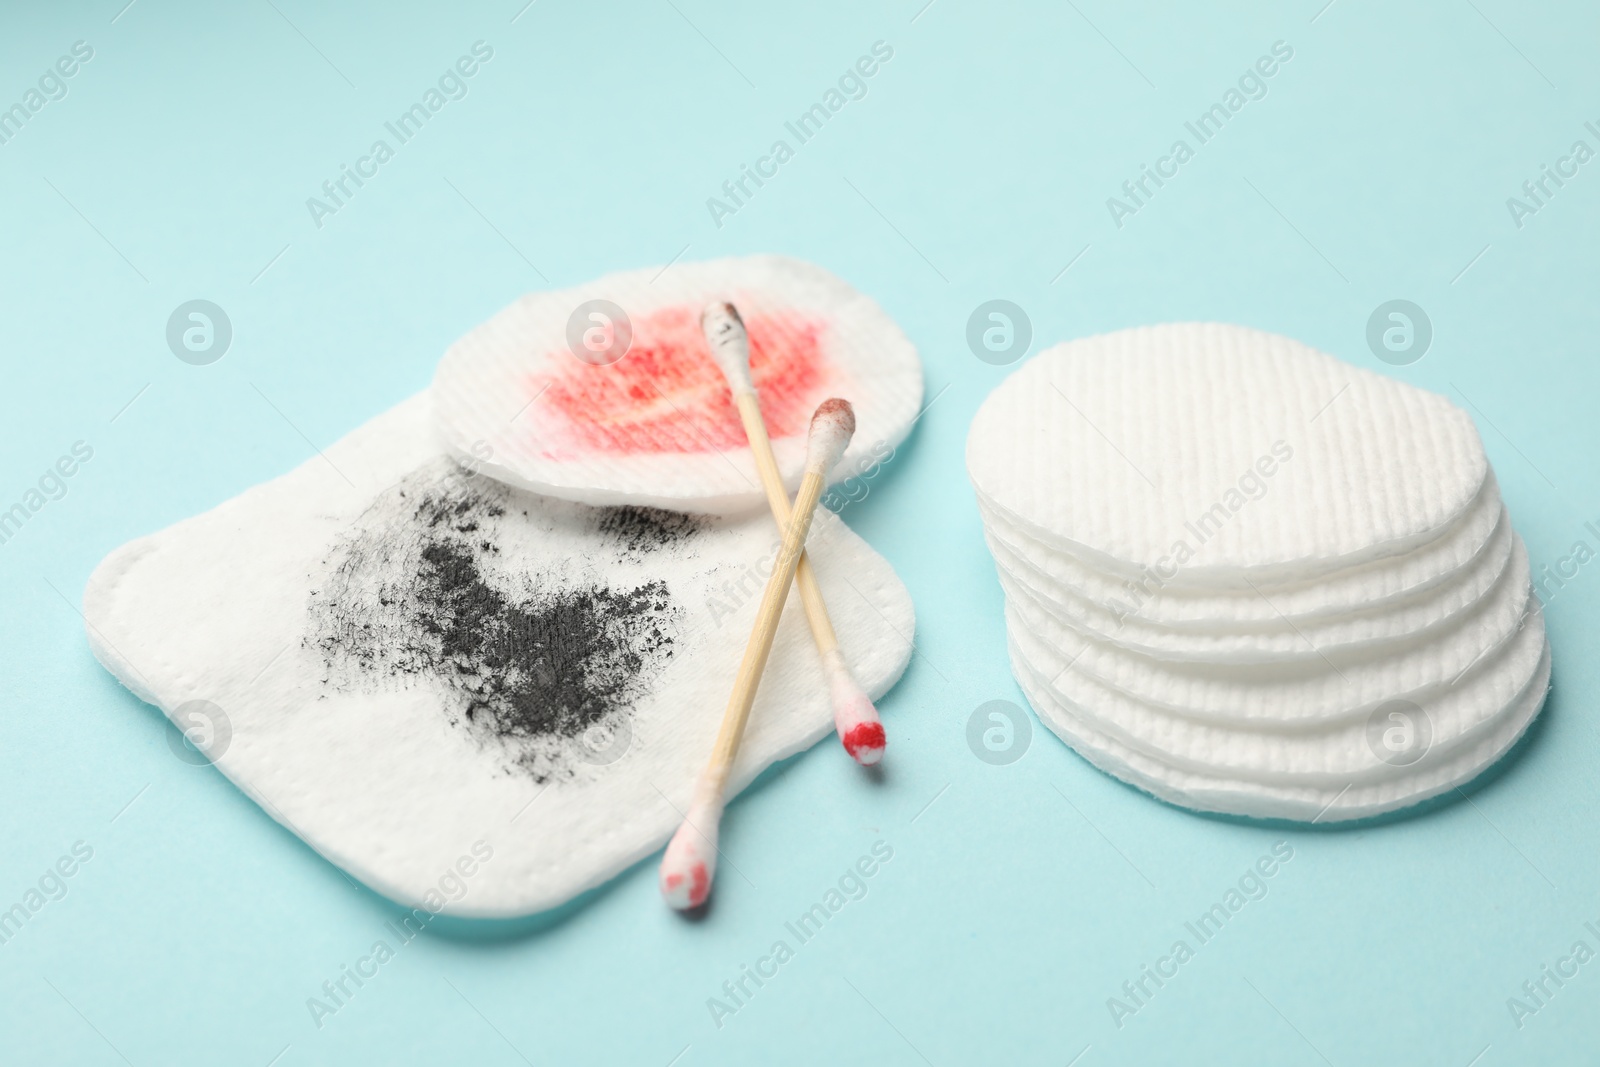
[(1020, 897)]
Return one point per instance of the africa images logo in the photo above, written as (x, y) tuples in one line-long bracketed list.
[(1252, 885), (852, 885), (1252, 85), (52, 485), (851, 85), (451, 85), (52, 85), (453, 885)]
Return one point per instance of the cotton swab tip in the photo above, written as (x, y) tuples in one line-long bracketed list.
[(690, 861), (730, 344), (865, 742), (853, 714), (831, 429)]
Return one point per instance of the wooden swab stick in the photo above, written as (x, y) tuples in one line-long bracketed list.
[(690, 859), (854, 717)]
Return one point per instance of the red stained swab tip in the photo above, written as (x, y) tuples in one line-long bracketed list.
[(865, 743), (854, 717), (690, 860)]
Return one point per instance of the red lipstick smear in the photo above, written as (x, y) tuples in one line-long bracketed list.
[(699, 885), (667, 394)]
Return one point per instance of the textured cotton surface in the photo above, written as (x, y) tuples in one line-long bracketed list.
[(1362, 587), (1121, 446), (412, 657), (1251, 579), (1311, 689), (1280, 638), (1305, 803), (644, 416), (1331, 750)]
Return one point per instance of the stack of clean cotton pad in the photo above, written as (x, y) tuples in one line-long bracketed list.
[(1249, 578)]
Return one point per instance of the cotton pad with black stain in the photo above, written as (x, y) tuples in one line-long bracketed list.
[(428, 658), (418, 593), (607, 393)]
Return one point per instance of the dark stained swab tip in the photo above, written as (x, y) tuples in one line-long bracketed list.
[(832, 427), (836, 411), (730, 345), (721, 307)]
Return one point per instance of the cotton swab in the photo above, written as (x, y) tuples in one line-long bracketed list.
[(853, 714), (690, 859)]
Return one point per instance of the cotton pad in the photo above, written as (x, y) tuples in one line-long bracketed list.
[(1364, 586), (1300, 691), (606, 393), (1275, 640), (1335, 750), (1239, 573), (1320, 804), (415, 664), (1121, 447)]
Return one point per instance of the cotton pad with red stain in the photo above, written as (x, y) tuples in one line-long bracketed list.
[(606, 393)]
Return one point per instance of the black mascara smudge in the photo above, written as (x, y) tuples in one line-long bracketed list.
[(417, 593), (643, 529), (558, 667)]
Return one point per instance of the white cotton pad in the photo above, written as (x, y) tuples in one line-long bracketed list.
[(1236, 570), (1254, 453), (1363, 587), (1332, 751), (1428, 778), (415, 664), (606, 393), (1297, 692), (1280, 639)]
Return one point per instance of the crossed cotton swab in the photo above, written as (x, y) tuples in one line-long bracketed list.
[(853, 714), (690, 860)]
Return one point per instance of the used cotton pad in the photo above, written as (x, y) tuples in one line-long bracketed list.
[(1251, 579), (407, 663), (606, 393)]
